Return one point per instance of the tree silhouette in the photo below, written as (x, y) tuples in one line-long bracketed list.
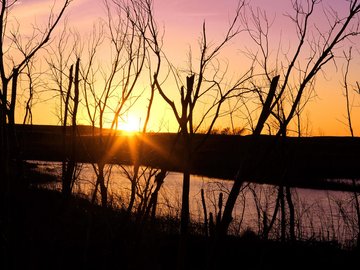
[(17, 50), (11, 68), (322, 47)]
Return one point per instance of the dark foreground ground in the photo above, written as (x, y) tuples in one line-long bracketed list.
[(75, 234)]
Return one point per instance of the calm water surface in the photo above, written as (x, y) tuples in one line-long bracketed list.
[(325, 215)]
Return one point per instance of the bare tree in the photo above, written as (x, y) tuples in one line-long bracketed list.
[(69, 168), (64, 81), (347, 87), (108, 104), (355, 89), (314, 50), (145, 182), (11, 68), (203, 85), (32, 81), (17, 50)]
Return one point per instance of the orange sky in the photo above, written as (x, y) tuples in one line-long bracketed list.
[(182, 21)]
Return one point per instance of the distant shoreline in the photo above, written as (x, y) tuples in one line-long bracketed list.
[(301, 162)]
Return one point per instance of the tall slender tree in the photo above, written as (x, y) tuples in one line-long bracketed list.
[(11, 67), (16, 52)]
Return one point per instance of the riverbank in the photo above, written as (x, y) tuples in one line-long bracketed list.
[(74, 234)]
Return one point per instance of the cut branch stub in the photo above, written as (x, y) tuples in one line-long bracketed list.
[(266, 111)]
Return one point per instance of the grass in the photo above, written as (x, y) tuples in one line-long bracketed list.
[(75, 234)]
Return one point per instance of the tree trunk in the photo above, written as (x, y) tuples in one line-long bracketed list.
[(283, 213), (66, 190), (271, 224), (69, 166), (229, 206), (159, 179), (291, 214), (133, 187), (206, 229), (357, 208), (103, 188), (185, 212), (235, 190)]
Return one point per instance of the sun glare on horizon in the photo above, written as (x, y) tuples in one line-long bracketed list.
[(130, 124)]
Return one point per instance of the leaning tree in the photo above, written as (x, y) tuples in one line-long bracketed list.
[(291, 76)]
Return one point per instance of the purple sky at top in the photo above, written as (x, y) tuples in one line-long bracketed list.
[(184, 15)]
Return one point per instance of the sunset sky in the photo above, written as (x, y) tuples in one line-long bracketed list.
[(182, 21)]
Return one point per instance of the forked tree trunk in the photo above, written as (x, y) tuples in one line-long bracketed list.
[(159, 179)]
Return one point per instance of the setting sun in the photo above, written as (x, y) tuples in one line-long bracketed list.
[(130, 124)]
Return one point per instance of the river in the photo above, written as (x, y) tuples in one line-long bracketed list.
[(320, 215)]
